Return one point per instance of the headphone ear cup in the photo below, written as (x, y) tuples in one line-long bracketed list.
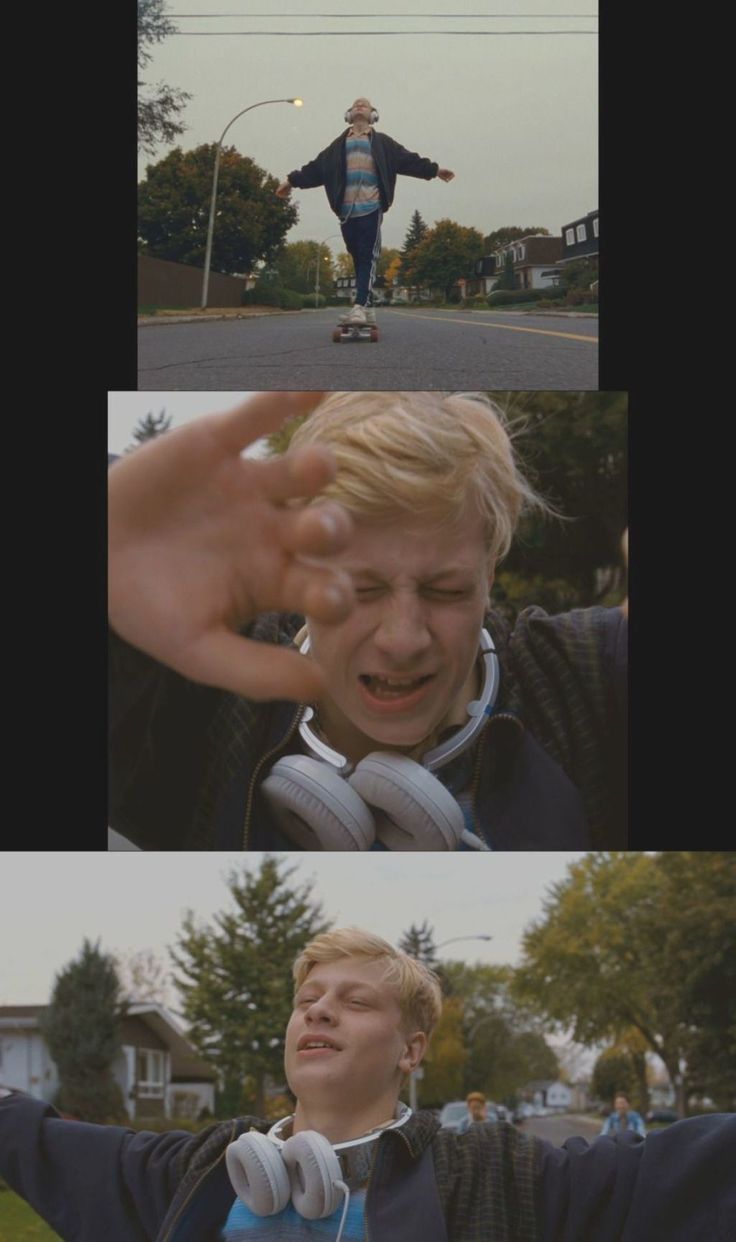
[(313, 1170), (374, 116), (349, 115), (420, 814), (315, 807), (258, 1173)]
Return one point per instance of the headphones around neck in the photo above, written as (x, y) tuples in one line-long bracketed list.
[(349, 116), (267, 1171), (322, 801)]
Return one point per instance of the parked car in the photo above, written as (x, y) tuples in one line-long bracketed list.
[(663, 1115)]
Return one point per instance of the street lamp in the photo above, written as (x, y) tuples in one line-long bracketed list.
[(211, 226), (480, 936), (316, 279)]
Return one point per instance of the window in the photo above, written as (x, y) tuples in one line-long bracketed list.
[(595, 227), (521, 252), (150, 1073), (569, 237), (581, 232)]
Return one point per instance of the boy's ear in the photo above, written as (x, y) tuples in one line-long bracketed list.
[(416, 1046)]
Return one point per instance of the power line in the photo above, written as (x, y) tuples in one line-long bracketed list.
[(348, 34), (351, 16)]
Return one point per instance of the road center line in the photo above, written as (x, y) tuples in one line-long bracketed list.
[(503, 327)]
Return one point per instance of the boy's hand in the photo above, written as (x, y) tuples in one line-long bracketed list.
[(283, 190), (444, 174), (201, 541)]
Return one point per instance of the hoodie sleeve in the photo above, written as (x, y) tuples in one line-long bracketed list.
[(90, 1183), (410, 164), (677, 1185), (310, 175)]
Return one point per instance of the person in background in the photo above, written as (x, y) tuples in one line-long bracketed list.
[(623, 1117), (477, 1111)]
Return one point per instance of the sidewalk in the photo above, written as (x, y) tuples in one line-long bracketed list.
[(195, 314)]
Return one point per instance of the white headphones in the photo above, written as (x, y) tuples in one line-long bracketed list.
[(385, 796), (349, 116), (267, 1171)]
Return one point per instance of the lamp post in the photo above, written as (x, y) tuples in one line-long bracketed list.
[(316, 279), (419, 1073), (480, 936), (211, 226)]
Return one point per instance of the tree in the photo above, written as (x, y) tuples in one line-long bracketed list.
[(446, 252), (505, 1047), (507, 279), (174, 204), (633, 941), (417, 230), (81, 1028), (418, 942), (144, 977), (446, 1057), (574, 448), (344, 265), (297, 264), (158, 110), (236, 983), (509, 233), (613, 1072), (148, 427), (390, 259)]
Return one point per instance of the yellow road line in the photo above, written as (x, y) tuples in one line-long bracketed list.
[(503, 327)]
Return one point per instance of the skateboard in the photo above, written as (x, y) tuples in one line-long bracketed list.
[(355, 332)]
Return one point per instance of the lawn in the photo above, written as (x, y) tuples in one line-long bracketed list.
[(19, 1222)]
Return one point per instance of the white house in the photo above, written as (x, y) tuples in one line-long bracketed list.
[(157, 1069)]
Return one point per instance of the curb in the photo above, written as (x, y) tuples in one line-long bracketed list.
[(149, 320)]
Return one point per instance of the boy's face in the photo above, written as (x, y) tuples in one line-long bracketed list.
[(405, 656), (345, 1037), (477, 1110)]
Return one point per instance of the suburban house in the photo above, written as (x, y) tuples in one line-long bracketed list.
[(580, 238), (157, 1069), (548, 1094), (345, 286), (534, 260)]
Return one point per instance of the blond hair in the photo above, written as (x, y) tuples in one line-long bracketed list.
[(417, 987), (435, 455)]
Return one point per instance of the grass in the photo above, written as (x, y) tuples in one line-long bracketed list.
[(19, 1222)]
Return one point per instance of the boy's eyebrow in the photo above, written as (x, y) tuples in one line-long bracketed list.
[(345, 986), (364, 571)]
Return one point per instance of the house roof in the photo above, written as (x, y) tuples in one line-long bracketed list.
[(186, 1064)]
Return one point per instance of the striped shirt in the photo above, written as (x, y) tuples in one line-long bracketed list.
[(242, 1225), (361, 188)]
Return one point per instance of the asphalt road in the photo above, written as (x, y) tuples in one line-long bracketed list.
[(455, 350), (556, 1129)]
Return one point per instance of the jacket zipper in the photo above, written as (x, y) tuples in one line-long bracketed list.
[(167, 1236), (264, 759)]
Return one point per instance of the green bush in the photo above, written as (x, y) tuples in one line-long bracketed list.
[(308, 301), (273, 295), (506, 297), (578, 297)]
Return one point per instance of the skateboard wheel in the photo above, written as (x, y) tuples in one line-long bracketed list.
[(336, 335), (374, 335)]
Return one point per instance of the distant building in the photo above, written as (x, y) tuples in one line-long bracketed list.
[(580, 238), (535, 264), (157, 1069)]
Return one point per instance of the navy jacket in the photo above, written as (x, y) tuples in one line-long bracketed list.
[(109, 1184), (187, 762), (329, 169)]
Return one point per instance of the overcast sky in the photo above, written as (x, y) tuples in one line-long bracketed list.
[(134, 901), (513, 115)]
